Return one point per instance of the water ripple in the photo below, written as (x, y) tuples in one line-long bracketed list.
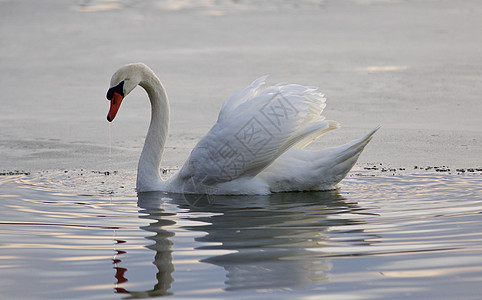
[(377, 233)]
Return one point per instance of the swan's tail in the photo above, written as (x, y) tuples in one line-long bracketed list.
[(335, 163), (320, 170)]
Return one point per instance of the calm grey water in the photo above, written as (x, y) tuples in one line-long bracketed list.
[(377, 237), (411, 66)]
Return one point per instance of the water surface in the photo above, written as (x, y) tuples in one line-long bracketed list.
[(380, 236), (70, 229)]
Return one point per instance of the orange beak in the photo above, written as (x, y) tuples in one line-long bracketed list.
[(115, 103)]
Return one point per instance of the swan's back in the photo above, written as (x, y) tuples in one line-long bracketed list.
[(255, 127)]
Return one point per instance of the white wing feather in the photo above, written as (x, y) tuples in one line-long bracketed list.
[(254, 127)]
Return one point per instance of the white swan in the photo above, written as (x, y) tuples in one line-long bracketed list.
[(255, 147)]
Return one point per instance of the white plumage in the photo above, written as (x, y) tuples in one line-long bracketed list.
[(255, 147)]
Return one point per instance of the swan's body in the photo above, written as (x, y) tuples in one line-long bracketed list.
[(255, 147)]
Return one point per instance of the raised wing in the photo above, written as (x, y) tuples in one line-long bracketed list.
[(254, 127)]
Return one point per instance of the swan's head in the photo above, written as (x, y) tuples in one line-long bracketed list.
[(122, 83)]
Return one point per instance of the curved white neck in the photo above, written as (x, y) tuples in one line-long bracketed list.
[(148, 169)]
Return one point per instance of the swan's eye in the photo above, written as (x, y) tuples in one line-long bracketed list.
[(119, 89)]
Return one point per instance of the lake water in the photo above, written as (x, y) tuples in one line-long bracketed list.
[(71, 227), (86, 235)]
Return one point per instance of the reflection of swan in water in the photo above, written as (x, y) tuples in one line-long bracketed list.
[(267, 237), (270, 236), (162, 246)]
